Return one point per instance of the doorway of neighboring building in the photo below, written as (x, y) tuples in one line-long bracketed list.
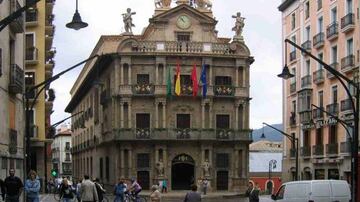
[(182, 172)]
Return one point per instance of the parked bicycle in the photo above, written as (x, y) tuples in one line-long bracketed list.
[(130, 197)]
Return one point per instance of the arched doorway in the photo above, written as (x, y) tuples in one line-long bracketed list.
[(182, 172), (269, 187)]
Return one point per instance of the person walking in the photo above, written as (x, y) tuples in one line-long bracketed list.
[(66, 191), (155, 195), (13, 187), (253, 192), (88, 191), (78, 196), (193, 195), (99, 189), (119, 191), (32, 187), (135, 188), (164, 186), (205, 184)]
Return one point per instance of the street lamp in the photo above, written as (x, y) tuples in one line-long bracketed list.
[(295, 142), (354, 105), (272, 165), (76, 22), (29, 106)]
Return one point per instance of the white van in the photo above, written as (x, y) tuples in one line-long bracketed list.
[(314, 191)]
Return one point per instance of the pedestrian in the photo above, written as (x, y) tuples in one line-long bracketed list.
[(66, 191), (100, 190), (32, 187), (2, 188), (78, 196), (155, 195), (13, 187), (119, 191), (193, 195), (135, 188), (253, 192), (205, 184), (164, 186), (88, 191)]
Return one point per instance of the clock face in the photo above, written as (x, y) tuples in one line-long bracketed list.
[(183, 22)]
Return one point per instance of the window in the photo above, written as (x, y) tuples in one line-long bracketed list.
[(67, 145), (334, 94), (321, 57), (223, 81), (333, 15), (107, 168), (4, 163), (349, 6), (293, 39), (142, 120), (222, 160), (183, 36), (183, 121), (319, 4), (184, 80), (333, 174), (333, 134), (349, 47), (293, 21), (30, 49), (307, 33), (319, 174), (334, 54), (29, 82), (321, 99), (320, 24), (293, 108), (307, 67), (293, 79), (143, 79), (304, 101), (319, 136), (222, 121), (67, 157), (143, 161), (307, 10), (306, 138)]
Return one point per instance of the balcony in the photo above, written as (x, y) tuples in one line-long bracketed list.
[(333, 109), (346, 106), (176, 47), (191, 134), (332, 149), (67, 159), (306, 151), (332, 31), (31, 18), (292, 119), (345, 148), (31, 95), (67, 148), (17, 25), (335, 66), (305, 116), (31, 55), (319, 76), (348, 23), (318, 40), (293, 87), (224, 91), (318, 150), (318, 114), (142, 133), (224, 134), (306, 45), (306, 81), (50, 54), (292, 55), (50, 6), (16, 84), (347, 63), (143, 89)]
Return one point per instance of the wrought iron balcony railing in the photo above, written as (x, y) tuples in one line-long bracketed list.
[(306, 45), (183, 133), (319, 40), (333, 108), (318, 114), (31, 54), (345, 147), (332, 31), (319, 76), (332, 149), (305, 116), (17, 25), (31, 15), (306, 151), (334, 65), (347, 21), (16, 83), (347, 63), (346, 105), (306, 81), (318, 150)]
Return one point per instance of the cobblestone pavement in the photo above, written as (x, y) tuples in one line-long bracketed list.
[(175, 198)]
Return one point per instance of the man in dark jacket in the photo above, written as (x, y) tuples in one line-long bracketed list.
[(13, 187), (193, 196), (253, 192)]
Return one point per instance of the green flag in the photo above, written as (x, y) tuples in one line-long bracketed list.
[(168, 83)]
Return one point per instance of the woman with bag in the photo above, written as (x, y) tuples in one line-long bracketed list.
[(66, 191)]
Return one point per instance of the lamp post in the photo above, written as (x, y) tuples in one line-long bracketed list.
[(295, 142), (76, 22), (354, 105), (29, 106), (272, 165)]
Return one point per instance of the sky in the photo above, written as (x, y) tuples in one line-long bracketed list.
[(262, 34)]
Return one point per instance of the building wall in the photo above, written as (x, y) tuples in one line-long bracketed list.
[(11, 126), (341, 159)]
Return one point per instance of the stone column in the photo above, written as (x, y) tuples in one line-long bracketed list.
[(130, 162), (121, 114), (236, 156), (164, 74), (244, 163), (165, 160), (116, 109), (210, 75), (210, 115), (122, 74), (129, 74), (203, 115), (122, 163), (129, 115), (236, 126), (116, 70), (164, 114), (247, 111), (237, 76), (156, 114), (157, 74)]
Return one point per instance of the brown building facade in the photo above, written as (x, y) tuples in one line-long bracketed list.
[(131, 127)]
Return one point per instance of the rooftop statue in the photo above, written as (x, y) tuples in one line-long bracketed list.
[(162, 3), (239, 25), (203, 4), (127, 18)]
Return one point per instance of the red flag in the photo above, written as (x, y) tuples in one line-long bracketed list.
[(194, 81)]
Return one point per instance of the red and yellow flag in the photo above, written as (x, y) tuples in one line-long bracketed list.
[(194, 81), (177, 82)]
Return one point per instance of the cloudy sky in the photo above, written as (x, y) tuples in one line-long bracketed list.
[(262, 33)]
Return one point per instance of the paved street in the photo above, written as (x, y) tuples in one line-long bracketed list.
[(50, 198)]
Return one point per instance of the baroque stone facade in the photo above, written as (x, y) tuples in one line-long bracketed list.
[(130, 125)]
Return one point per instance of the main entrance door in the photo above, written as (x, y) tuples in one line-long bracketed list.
[(182, 172)]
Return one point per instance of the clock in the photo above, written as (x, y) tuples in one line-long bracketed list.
[(183, 22)]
